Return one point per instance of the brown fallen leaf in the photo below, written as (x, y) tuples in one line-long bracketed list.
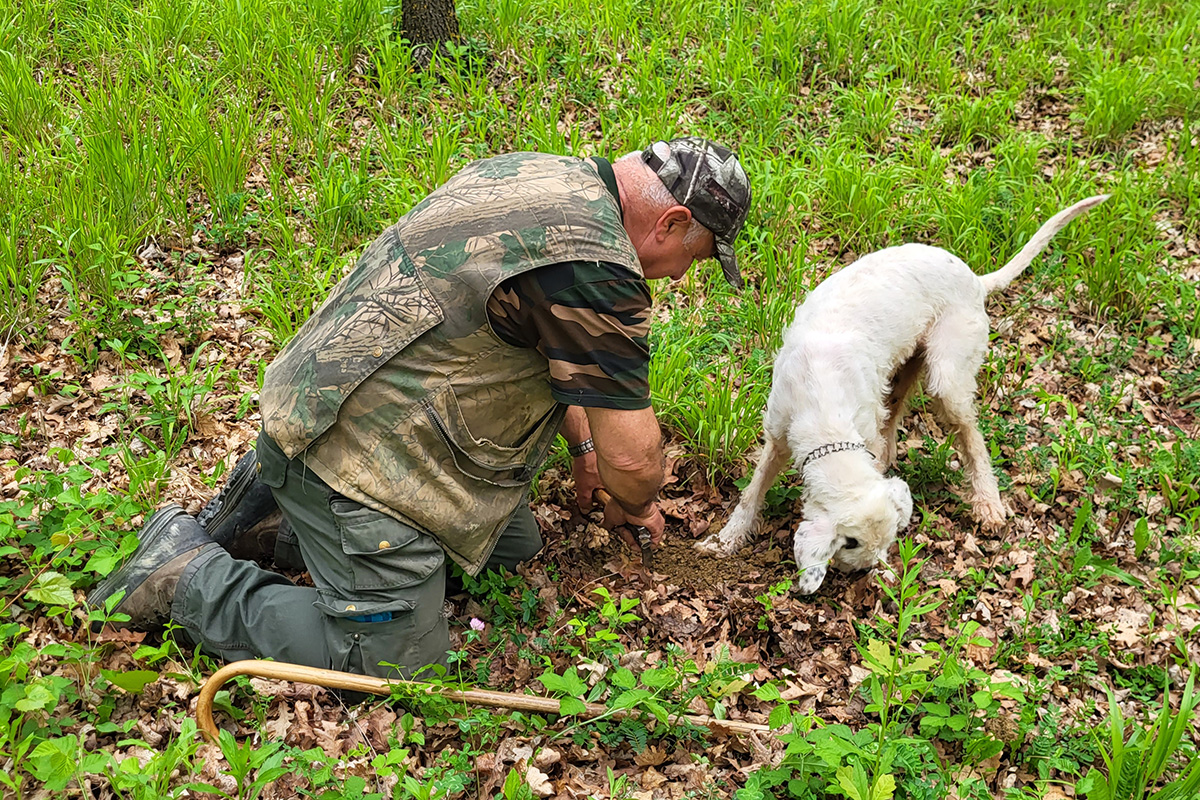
[(546, 758), (171, 350), (278, 727), (1022, 576), (597, 535), (490, 772), (651, 779), (1128, 626), (59, 403), (539, 782), (1035, 660), (19, 393), (651, 757), (514, 749)]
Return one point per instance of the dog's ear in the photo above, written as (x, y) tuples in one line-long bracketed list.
[(901, 498), (814, 547)]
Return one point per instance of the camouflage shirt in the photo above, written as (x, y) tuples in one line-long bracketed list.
[(590, 320)]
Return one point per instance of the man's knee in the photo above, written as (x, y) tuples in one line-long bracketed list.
[(525, 548), (521, 541), (516, 551)]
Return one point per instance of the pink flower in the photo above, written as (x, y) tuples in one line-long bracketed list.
[(477, 624)]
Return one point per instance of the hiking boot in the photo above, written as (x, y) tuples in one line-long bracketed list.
[(256, 543), (286, 552), (243, 517), (167, 543)]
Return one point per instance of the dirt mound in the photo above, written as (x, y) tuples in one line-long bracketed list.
[(684, 566)]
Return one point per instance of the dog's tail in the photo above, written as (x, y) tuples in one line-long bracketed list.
[(995, 281)]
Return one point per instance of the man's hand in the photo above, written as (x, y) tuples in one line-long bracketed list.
[(587, 480), (617, 518), (630, 459)]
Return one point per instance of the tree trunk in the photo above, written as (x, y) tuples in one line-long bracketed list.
[(428, 22)]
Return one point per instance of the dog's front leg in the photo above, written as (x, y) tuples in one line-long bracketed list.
[(984, 495), (878, 447), (740, 526)]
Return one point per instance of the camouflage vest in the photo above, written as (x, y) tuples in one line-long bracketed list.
[(396, 391)]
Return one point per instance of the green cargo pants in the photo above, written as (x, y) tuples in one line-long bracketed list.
[(379, 585)]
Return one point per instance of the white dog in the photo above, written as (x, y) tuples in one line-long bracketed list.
[(850, 359)]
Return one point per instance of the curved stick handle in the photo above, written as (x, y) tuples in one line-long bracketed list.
[(334, 679)]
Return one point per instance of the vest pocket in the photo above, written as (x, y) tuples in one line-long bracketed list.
[(272, 463), (443, 480), (382, 552), (505, 467)]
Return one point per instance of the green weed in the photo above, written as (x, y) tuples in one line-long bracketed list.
[(1115, 99), (1136, 763)]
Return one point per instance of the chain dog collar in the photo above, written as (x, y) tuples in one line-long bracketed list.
[(826, 449)]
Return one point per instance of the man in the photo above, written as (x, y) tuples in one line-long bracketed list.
[(405, 421)]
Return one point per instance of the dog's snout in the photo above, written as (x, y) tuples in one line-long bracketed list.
[(851, 544)]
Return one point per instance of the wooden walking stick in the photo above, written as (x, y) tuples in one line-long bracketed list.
[(333, 679)]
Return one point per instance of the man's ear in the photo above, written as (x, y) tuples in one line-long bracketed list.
[(901, 498), (675, 217), (813, 548)]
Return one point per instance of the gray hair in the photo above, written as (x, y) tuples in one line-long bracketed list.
[(655, 195)]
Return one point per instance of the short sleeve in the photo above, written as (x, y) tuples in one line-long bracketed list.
[(591, 320)]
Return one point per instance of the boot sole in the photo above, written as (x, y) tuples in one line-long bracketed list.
[(240, 480)]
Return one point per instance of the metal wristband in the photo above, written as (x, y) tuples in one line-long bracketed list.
[(576, 450)]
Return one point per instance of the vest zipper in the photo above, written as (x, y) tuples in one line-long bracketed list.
[(437, 423)]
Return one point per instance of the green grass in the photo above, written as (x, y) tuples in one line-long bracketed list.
[(259, 145)]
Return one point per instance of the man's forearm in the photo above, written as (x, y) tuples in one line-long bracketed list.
[(635, 490), (629, 456), (575, 427)]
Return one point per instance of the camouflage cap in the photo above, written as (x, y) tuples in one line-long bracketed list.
[(708, 180)]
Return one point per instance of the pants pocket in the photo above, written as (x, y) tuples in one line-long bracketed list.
[(392, 649), (382, 552)]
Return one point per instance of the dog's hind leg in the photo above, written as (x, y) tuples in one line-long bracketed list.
[(954, 354), (731, 538), (985, 492), (903, 383)]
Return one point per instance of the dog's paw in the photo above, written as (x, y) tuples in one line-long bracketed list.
[(993, 524), (732, 537), (991, 513), (722, 544)]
